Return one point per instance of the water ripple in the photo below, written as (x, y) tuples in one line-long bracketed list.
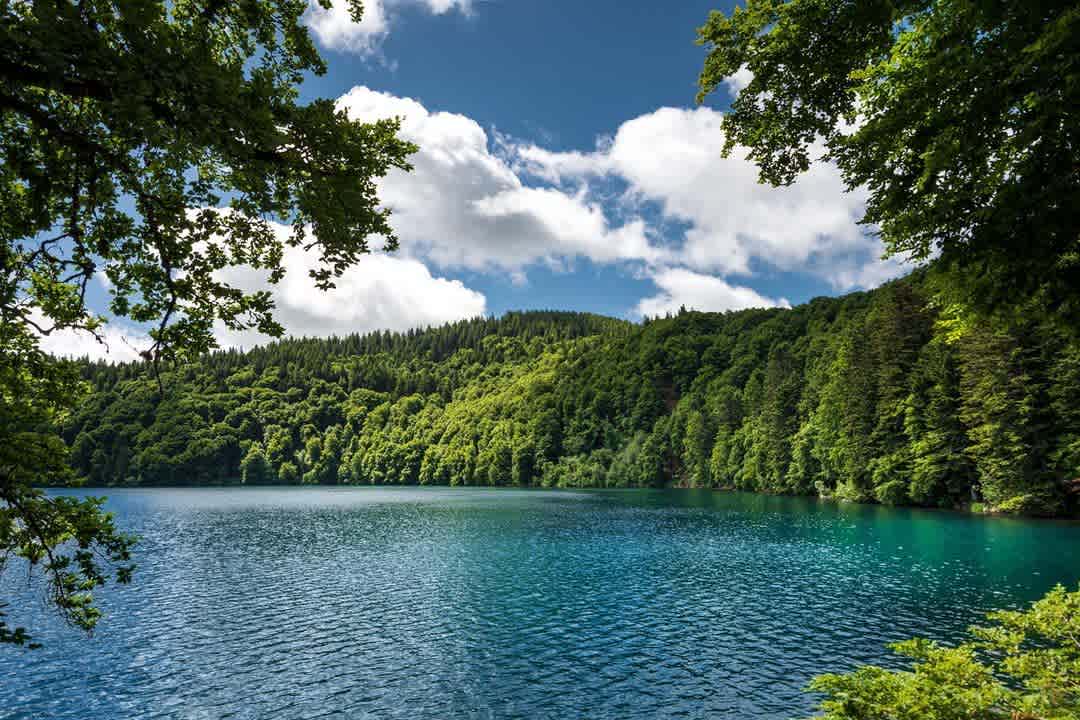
[(434, 603)]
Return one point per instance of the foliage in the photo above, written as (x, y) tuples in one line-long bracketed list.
[(185, 112), (1025, 665), (74, 542), (152, 143), (71, 540), (958, 117), (865, 398)]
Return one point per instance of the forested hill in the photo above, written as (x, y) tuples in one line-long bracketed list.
[(865, 397)]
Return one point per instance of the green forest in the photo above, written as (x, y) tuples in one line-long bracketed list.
[(871, 397)]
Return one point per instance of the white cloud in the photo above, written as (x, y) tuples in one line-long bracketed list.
[(442, 6), (380, 292), (738, 82), (491, 204), (464, 206), (674, 157), (334, 28), (495, 204), (118, 342), (684, 288), (869, 273)]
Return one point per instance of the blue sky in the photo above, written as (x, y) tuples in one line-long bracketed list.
[(559, 72), (564, 164)]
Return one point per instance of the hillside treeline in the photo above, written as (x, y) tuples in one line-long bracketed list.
[(871, 397)]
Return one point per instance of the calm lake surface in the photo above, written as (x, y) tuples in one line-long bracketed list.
[(462, 603)]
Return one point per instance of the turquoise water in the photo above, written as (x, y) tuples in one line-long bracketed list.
[(455, 603)]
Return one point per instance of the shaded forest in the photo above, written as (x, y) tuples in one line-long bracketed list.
[(870, 397)]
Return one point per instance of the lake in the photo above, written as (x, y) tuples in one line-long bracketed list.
[(468, 603)]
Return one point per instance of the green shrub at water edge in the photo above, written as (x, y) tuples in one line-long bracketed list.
[(1025, 665)]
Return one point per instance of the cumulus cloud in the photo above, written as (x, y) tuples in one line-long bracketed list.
[(115, 341), (680, 287), (334, 28), (867, 273), (738, 82), (491, 204), (442, 6), (483, 202), (464, 206), (380, 292), (673, 157)]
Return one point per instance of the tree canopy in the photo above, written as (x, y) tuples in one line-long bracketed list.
[(153, 143), (959, 118)]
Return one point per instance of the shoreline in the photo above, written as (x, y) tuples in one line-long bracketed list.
[(963, 511)]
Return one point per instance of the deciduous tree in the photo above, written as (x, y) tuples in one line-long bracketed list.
[(152, 143), (959, 118)]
